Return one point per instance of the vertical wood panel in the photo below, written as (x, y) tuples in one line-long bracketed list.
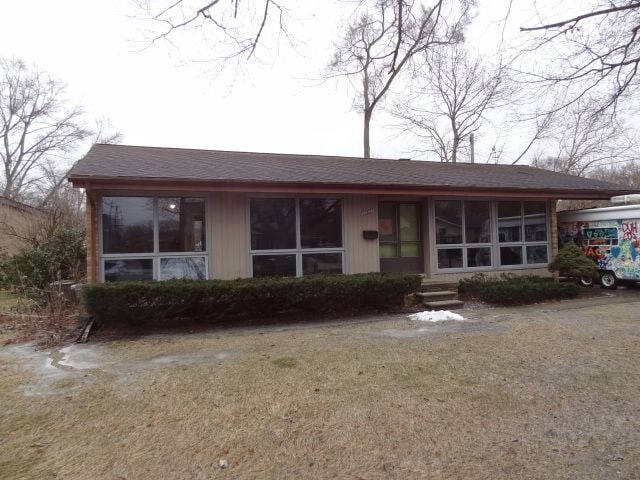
[(91, 225), (229, 236), (361, 213), (554, 228)]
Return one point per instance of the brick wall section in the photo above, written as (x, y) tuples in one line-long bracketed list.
[(554, 228), (91, 222)]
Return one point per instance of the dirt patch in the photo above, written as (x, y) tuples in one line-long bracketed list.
[(547, 391)]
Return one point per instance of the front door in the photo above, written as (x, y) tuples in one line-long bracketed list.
[(400, 237)]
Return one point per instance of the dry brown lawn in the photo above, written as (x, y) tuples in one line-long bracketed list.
[(550, 391)]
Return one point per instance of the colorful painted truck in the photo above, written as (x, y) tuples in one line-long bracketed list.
[(610, 237)]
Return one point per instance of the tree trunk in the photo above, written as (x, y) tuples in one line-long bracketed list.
[(454, 148), (367, 114), (367, 146)]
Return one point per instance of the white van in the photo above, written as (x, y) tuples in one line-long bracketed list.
[(610, 237)]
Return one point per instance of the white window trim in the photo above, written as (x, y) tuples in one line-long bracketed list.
[(156, 255), (298, 251)]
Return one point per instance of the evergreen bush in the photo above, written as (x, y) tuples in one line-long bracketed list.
[(572, 262), (509, 289), (139, 302)]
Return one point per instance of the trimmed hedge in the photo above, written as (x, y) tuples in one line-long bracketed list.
[(139, 302), (515, 290)]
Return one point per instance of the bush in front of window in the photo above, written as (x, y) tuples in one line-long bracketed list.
[(148, 302), (509, 289)]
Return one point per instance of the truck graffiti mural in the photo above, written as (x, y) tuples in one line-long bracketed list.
[(614, 245)]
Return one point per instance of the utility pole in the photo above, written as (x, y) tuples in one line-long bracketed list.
[(471, 142)]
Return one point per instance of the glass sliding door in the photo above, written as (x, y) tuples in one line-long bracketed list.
[(400, 237)]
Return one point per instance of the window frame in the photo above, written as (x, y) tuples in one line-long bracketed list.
[(298, 251), (495, 244), (464, 245), (523, 244), (156, 255)]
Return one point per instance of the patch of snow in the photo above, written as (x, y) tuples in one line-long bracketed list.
[(45, 373), (81, 357), (439, 316)]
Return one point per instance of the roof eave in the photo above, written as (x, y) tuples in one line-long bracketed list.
[(104, 182)]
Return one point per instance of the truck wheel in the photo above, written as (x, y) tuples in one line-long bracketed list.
[(586, 282), (609, 280)]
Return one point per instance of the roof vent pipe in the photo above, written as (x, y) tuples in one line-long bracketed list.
[(626, 199)]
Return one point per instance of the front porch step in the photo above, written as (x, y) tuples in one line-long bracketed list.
[(437, 286), (437, 295), (444, 304)]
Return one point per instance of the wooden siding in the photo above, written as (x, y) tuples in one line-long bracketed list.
[(91, 224), (229, 236), (553, 213), (18, 222), (360, 213)]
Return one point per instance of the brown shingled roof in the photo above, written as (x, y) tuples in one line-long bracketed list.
[(121, 163)]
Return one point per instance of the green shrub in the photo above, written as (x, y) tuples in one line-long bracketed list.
[(572, 262), (139, 302), (27, 269), (509, 289), (61, 256)]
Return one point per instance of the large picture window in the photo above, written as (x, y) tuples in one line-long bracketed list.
[(147, 238), (483, 234), (463, 234), (522, 233), (296, 236)]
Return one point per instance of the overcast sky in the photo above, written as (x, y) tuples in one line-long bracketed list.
[(157, 96)]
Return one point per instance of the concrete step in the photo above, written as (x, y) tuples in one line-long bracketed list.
[(444, 304), (438, 295), (431, 286)]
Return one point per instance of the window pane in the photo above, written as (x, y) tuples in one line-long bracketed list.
[(478, 257), (274, 265), (477, 222), (183, 267), (537, 254), (273, 223), (448, 222), (409, 230), (127, 225), (450, 258), (388, 250), (181, 224), (510, 255), (535, 208), (387, 223), (118, 270), (535, 222), (321, 263), (409, 249), (320, 223), (509, 222)]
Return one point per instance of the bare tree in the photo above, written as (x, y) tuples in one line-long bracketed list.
[(383, 40), (234, 28), (37, 126), (595, 53), (626, 173), (581, 141), (452, 95)]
